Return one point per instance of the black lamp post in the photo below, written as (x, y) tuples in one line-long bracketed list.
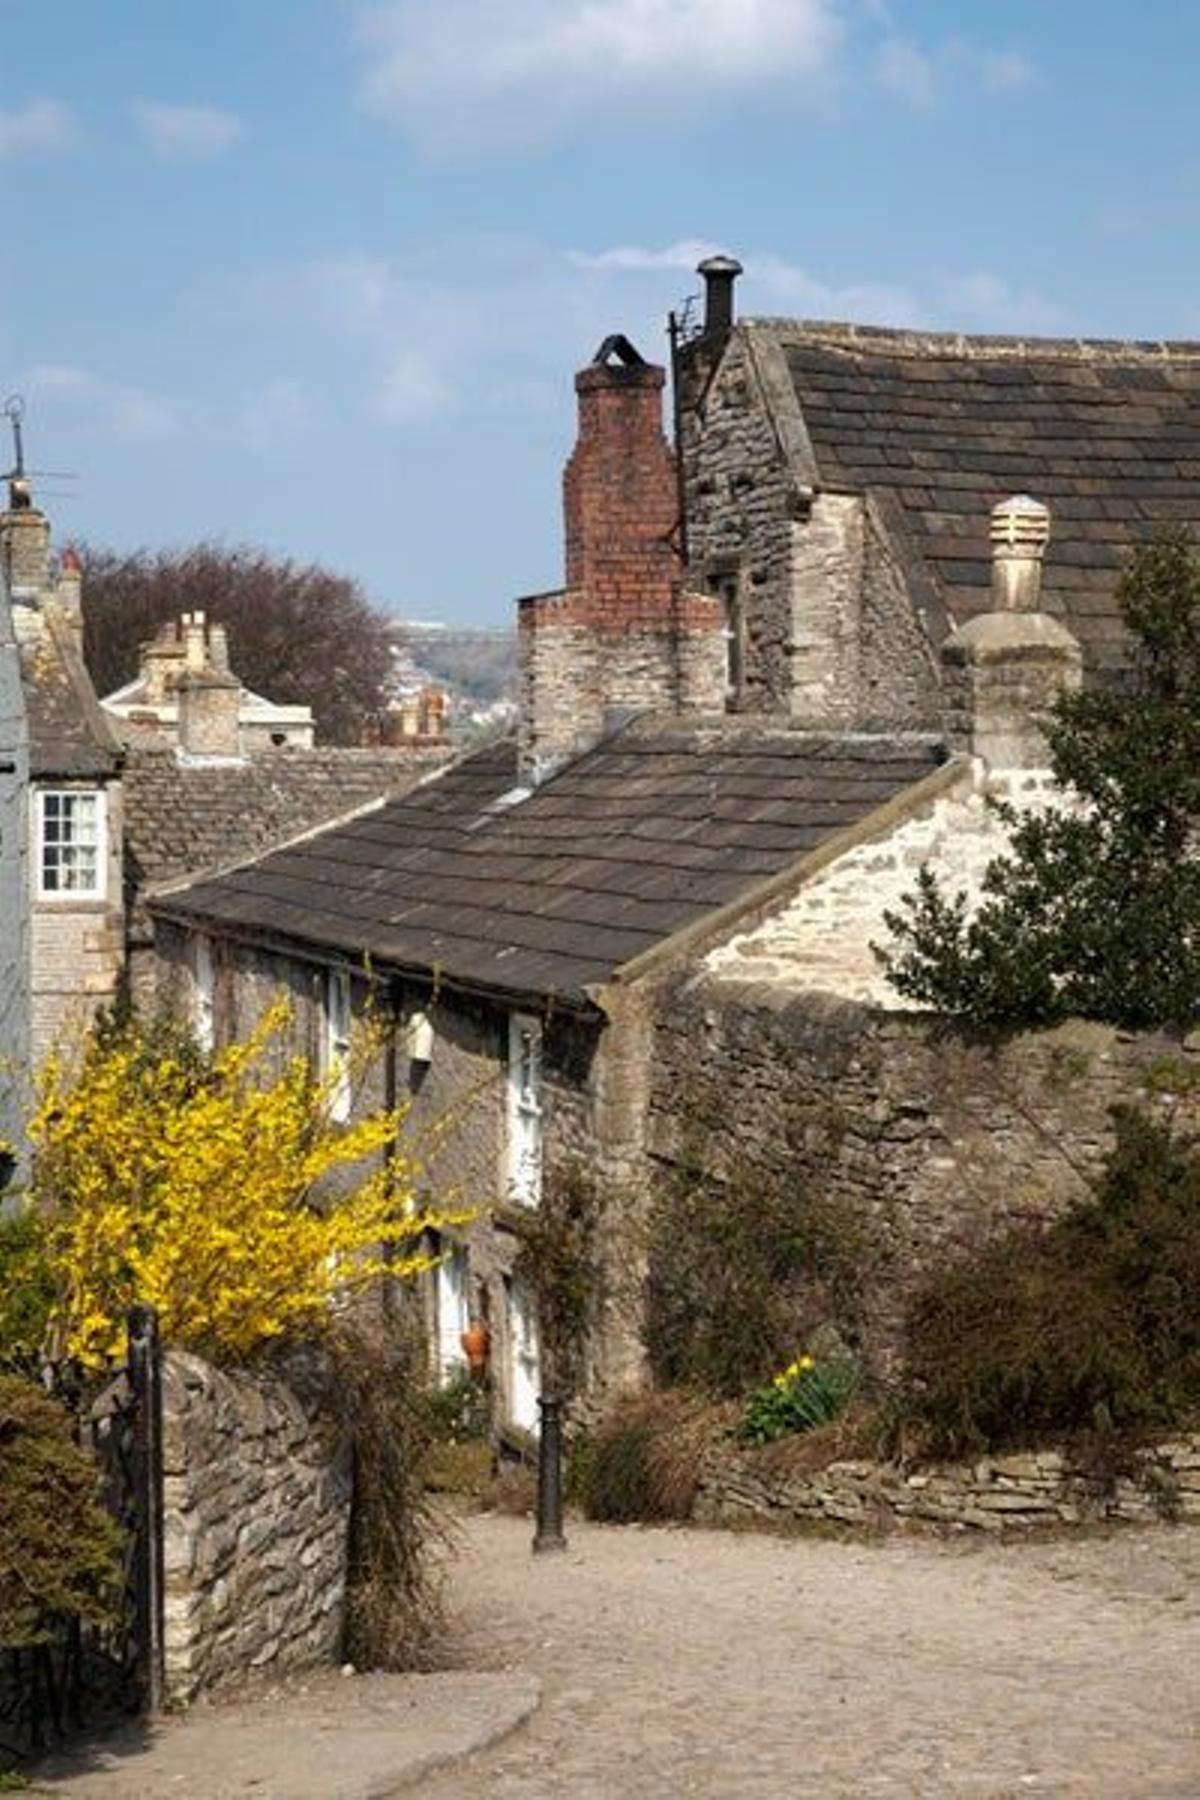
[(549, 1534)]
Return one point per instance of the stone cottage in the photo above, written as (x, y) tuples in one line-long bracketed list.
[(678, 867), (75, 827), (839, 481)]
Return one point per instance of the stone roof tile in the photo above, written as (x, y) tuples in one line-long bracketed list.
[(550, 893), (1106, 433)]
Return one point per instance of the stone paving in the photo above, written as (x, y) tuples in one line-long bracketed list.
[(678, 1662)]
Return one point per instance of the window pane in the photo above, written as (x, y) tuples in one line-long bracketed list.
[(70, 842)]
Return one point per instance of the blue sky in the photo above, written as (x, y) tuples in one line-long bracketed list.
[(316, 274)]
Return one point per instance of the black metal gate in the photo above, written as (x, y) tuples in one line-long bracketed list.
[(81, 1677)]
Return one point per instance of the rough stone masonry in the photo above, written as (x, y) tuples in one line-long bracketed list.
[(257, 1503)]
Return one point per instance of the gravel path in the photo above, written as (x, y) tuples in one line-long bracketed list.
[(681, 1662)]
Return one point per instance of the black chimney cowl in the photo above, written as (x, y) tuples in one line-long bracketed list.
[(720, 273)]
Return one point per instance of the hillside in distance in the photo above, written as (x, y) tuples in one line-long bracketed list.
[(478, 662)]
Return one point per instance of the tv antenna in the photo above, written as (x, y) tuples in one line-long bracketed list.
[(18, 476)]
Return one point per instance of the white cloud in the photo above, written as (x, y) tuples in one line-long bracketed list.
[(129, 413), (908, 71), (770, 284), (462, 74), (38, 125), (976, 300), (275, 412), (981, 301), (483, 325), (921, 76), (196, 133)]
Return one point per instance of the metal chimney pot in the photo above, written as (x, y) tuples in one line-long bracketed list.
[(720, 273)]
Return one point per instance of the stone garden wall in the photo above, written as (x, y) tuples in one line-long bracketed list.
[(257, 1512), (996, 1493), (923, 1144)]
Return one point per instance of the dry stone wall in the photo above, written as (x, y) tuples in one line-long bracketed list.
[(997, 1493), (257, 1516)]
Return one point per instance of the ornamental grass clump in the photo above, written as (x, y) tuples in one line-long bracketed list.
[(218, 1188), (805, 1395)]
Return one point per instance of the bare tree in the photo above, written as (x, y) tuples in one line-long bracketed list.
[(297, 633)]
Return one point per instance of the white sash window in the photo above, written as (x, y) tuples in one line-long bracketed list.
[(524, 1171), (204, 992), (335, 1043), (69, 832)]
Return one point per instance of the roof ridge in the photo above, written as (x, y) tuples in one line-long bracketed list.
[(958, 343)]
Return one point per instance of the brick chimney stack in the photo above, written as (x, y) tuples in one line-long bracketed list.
[(624, 635), (1004, 669)]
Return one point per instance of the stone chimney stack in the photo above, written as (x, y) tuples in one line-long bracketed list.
[(68, 593), (623, 636), (195, 641), (1004, 669), (218, 649), (24, 543), (209, 713)]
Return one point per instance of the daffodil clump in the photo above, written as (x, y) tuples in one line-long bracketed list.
[(806, 1394), (216, 1188)]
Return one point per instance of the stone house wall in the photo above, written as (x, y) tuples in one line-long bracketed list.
[(821, 937), (77, 945), (919, 1144), (742, 507), (257, 1515), (830, 631), (457, 1100)]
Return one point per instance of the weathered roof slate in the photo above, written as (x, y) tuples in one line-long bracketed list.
[(183, 818), (1107, 434), (660, 825), (69, 737)]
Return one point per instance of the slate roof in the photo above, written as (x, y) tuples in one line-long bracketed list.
[(1106, 433), (69, 737), (548, 895), (182, 818)]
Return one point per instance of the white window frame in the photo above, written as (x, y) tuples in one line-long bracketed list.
[(204, 991), (58, 896), (452, 1311), (524, 1372), (523, 1170), (336, 1025)]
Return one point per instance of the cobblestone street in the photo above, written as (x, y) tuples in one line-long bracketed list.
[(709, 1663)]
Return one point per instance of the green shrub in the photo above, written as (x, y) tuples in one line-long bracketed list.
[(802, 1397), (558, 1259), (1092, 913), (460, 1410), (644, 1461), (26, 1290), (59, 1547), (1090, 1324), (743, 1266)]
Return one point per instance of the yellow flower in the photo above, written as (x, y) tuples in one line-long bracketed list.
[(190, 1184)]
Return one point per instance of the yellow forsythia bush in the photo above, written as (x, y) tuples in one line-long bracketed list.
[(217, 1189)]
